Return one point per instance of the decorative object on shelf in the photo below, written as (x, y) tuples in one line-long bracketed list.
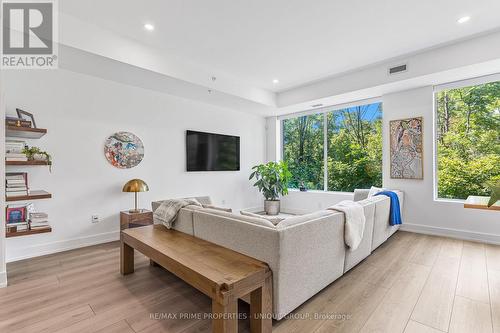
[(36, 154), (272, 180), (23, 114), (406, 142), (302, 187), (135, 185), (124, 150), (17, 122), (16, 214)]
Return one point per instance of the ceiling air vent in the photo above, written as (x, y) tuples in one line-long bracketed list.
[(398, 69)]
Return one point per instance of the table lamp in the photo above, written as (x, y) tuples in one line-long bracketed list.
[(135, 185)]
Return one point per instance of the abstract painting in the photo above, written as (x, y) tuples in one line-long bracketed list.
[(124, 150), (406, 148)]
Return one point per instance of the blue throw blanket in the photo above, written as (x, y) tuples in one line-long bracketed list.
[(395, 211)]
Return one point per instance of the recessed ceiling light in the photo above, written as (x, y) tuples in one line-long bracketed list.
[(463, 19), (317, 105), (149, 27), (276, 81)]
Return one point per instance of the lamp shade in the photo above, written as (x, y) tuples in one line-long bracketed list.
[(135, 185)]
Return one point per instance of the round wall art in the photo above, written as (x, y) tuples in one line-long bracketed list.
[(124, 150)]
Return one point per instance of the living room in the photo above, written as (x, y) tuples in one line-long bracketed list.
[(402, 99)]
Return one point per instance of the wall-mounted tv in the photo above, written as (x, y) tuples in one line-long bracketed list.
[(212, 152)]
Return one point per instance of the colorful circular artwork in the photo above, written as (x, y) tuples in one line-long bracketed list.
[(124, 150)]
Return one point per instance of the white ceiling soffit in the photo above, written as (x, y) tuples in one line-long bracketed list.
[(109, 69), (75, 33)]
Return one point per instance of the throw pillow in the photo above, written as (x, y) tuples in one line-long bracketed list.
[(273, 219), (229, 210), (374, 190)]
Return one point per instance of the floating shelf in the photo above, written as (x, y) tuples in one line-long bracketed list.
[(28, 232), (24, 132), (33, 162), (34, 195)]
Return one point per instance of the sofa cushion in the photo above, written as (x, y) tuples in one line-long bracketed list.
[(273, 219), (229, 210), (249, 219), (290, 221)]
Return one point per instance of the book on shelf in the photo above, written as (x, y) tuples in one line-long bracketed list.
[(14, 146), (16, 159), (22, 227), (16, 181), (16, 194), (16, 224), (39, 226)]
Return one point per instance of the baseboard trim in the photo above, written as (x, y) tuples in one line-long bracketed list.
[(452, 233), (64, 245), (3, 279)]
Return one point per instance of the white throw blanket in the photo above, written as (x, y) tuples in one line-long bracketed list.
[(169, 209), (354, 222)]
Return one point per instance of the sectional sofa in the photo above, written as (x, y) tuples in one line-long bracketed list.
[(306, 253)]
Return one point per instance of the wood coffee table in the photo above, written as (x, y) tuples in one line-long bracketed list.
[(220, 273)]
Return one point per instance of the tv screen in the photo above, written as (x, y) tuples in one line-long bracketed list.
[(212, 152)]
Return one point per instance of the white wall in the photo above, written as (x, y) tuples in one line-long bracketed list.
[(422, 212), (80, 112)]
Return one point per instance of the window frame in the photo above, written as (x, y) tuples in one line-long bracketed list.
[(324, 111), (436, 89)]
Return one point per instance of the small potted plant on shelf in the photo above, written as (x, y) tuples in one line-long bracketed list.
[(36, 154), (272, 180)]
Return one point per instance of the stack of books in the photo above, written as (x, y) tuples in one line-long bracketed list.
[(39, 220), (14, 151), (16, 184)]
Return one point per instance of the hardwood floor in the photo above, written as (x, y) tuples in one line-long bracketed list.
[(412, 283)]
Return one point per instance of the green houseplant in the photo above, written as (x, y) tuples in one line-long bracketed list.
[(272, 180)]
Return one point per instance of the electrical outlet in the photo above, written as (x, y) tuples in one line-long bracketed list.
[(95, 219)]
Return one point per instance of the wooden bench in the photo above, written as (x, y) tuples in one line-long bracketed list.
[(220, 273)]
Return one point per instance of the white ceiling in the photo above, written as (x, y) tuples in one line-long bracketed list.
[(256, 41)]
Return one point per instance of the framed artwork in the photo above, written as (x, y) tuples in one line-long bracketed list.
[(124, 150), (26, 116), (15, 214), (406, 154)]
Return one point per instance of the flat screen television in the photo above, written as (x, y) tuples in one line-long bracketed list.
[(212, 152)]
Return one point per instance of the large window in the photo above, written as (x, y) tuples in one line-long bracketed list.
[(468, 140), (353, 138), (303, 142)]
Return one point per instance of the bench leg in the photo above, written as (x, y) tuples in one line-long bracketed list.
[(126, 259), (261, 308), (225, 317)]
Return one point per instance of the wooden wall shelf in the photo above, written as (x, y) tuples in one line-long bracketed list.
[(26, 163), (34, 195), (24, 132), (28, 232)]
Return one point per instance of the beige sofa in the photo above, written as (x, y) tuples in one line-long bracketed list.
[(305, 253)]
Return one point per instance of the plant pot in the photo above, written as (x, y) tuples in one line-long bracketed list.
[(272, 207)]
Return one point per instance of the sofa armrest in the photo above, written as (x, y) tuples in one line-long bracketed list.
[(361, 194)]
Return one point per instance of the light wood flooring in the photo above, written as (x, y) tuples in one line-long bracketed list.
[(412, 283)]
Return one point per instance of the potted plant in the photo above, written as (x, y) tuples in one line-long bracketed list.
[(272, 180)]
